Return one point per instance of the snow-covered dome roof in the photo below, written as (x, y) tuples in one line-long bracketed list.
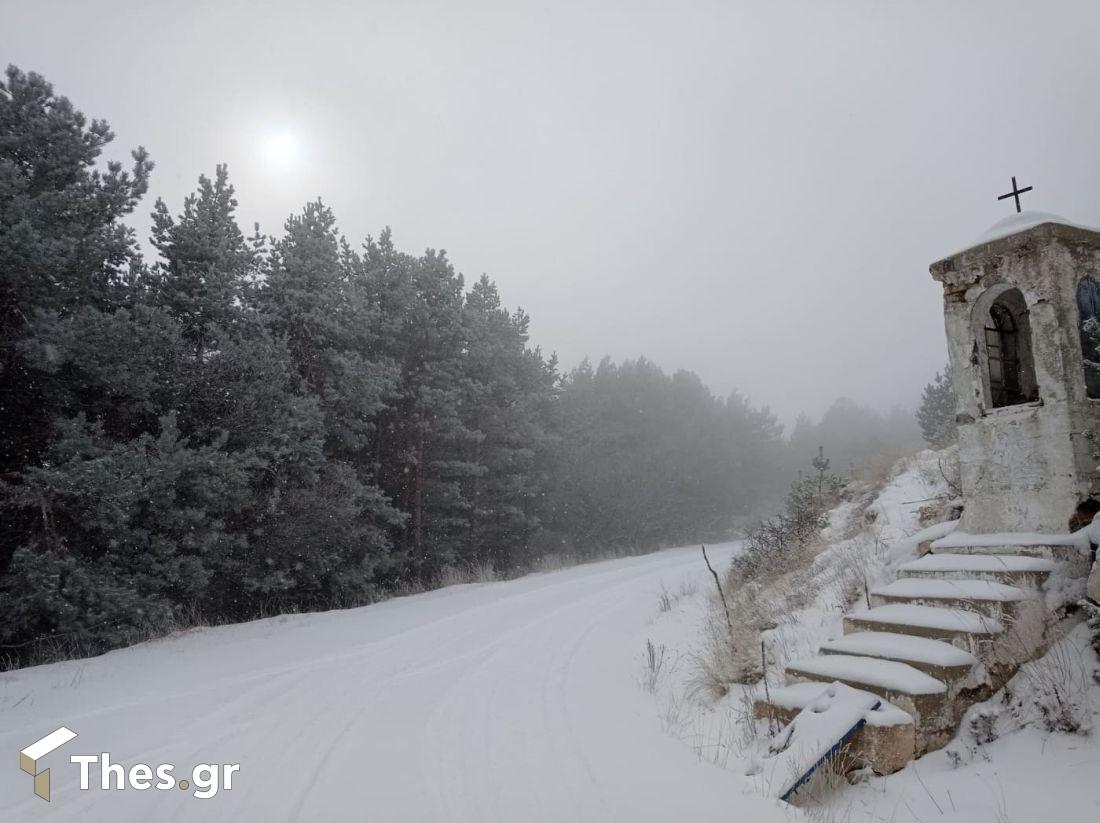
[(1015, 223)]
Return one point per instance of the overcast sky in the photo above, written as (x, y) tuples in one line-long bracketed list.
[(750, 190)]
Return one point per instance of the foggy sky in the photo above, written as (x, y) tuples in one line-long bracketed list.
[(752, 191)]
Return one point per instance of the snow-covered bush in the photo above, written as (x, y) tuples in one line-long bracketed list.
[(1054, 690)]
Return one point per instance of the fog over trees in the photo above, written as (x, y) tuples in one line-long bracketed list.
[(246, 424)]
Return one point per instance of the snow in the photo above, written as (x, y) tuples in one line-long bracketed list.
[(901, 647), (992, 782), (888, 714), (931, 533), (979, 563), (959, 540), (505, 701), (1060, 588), (917, 587), (930, 617), (869, 671), (1022, 221), (799, 695), (1027, 772), (815, 732)]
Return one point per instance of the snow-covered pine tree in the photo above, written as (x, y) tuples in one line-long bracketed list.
[(63, 244), (509, 388), (329, 535), (205, 262), (422, 443)]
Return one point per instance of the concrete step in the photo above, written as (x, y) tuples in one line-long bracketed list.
[(787, 701), (924, 697), (1011, 569), (886, 743), (1076, 560), (876, 675), (936, 658), (996, 600), (967, 630)]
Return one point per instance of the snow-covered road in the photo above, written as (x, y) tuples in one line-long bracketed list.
[(513, 701)]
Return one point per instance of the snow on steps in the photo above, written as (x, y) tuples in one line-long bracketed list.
[(986, 596), (1079, 540), (885, 742), (959, 627), (914, 588), (819, 731), (925, 698), (934, 657), (869, 673), (797, 696), (916, 646), (1072, 549), (1016, 570)]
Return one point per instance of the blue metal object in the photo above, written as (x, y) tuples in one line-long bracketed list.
[(833, 750)]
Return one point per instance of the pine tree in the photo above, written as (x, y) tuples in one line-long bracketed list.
[(332, 532), (422, 445), (508, 390), (240, 387), (64, 250), (314, 300), (936, 414), (63, 244), (206, 262)]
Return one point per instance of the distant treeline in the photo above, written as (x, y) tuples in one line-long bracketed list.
[(250, 424)]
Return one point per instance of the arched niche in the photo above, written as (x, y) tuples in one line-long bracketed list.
[(1002, 331)]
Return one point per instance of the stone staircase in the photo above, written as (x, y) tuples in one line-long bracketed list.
[(950, 630)]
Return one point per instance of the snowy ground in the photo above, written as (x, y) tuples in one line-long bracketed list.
[(1023, 760), (1007, 764), (517, 701)]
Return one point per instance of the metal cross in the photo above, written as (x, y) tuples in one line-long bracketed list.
[(1015, 194)]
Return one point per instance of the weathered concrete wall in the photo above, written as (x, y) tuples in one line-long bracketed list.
[(1024, 467), (1018, 471)]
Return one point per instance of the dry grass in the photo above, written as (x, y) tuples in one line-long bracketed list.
[(762, 592), (655, 667), (472, 573), (824, 782), (876, 471), (666, 600), (723, 660)]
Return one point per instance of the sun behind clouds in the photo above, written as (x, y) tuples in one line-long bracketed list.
[(280, 150)]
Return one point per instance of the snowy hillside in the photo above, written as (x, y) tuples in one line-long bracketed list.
[(521, 700), (1034, 732)]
